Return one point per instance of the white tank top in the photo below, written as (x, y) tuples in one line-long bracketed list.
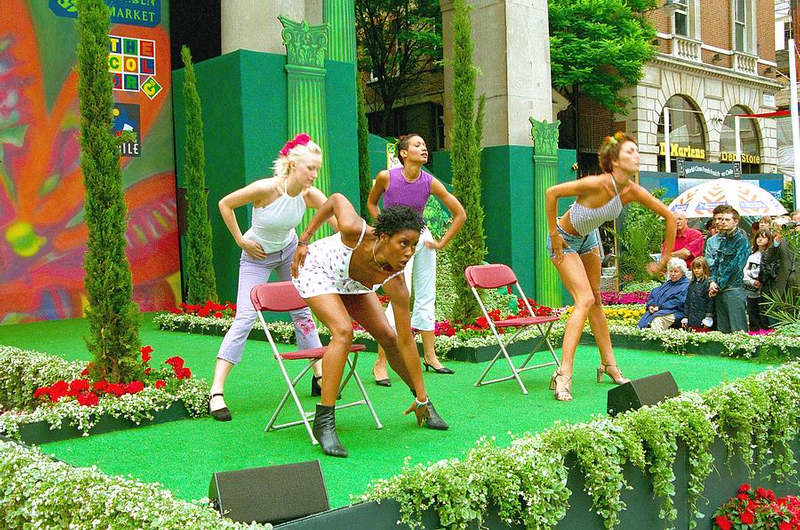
[(274, 225)]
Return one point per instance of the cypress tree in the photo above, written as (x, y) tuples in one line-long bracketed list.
[(200, 278), (468, 246), (113, 317), (364, 179)]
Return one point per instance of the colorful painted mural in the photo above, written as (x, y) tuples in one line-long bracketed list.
[(42, 231)]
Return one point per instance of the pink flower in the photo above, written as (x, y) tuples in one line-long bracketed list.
[(300, 139)]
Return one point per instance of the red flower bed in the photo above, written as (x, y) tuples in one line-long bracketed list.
[(209, 309), (758, 509), (87, 392)]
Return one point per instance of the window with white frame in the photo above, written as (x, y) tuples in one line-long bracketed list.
[(680, 18), (740, 12)]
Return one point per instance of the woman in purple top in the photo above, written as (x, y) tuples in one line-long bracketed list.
[(411, 186)]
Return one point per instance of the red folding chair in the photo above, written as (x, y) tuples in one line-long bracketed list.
[(494, 276), (281, 297)]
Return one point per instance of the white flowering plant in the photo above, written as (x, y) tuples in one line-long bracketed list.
[(39, 492), (45, 388), (527, 482)]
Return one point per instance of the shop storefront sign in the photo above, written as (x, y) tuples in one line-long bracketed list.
[(683, 151), (747, 158)]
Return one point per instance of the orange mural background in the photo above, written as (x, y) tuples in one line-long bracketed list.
[(42, 231)]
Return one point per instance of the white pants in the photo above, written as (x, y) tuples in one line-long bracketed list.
[(420, 272)]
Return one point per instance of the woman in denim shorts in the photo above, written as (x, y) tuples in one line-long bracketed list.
[(574, 249)]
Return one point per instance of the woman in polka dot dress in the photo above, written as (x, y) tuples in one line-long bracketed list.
[(337, 276)]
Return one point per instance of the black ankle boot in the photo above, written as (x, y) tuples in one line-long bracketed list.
[(435, 421), (316, 390), (325, 432)]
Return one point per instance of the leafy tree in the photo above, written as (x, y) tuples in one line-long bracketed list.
[(399, 41), (364, 179), (200, 278), (112, 315), (468, 246), (598, 47)]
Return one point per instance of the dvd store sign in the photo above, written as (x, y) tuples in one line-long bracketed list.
[(747, 158)]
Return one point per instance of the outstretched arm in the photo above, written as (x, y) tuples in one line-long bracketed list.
[(456, 212), (348, 220), (380, 186), (643, 197)]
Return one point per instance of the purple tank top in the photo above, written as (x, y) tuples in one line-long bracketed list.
[(403, 193)]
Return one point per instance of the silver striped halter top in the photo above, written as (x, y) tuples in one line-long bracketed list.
[(587, 219)]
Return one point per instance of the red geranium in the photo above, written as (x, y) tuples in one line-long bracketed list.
[(758, 509), (160, 384), (146, 351), (176, 362), (87, 399), (723, 522)]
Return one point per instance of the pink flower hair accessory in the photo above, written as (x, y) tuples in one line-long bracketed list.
[(300, 139)]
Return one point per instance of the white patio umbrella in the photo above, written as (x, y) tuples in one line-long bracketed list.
[(748, 199)]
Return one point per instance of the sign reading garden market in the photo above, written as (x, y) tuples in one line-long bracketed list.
[(682, 151), (131, 12)]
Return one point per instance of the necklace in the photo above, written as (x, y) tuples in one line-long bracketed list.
[(381, 266)]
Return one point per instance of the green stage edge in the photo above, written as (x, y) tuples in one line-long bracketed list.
[(245, 123)]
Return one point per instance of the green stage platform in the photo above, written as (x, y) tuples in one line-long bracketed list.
[(182, 455)]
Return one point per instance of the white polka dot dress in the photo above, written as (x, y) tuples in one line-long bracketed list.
[(326, 269)]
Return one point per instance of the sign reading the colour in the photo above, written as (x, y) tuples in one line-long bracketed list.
[(132, 63), (145, 13)]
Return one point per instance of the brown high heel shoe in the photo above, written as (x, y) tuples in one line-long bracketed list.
[(561, 391), (603, 370)]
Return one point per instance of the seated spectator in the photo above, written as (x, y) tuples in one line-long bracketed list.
[(665, 304), (698, 312), (688, 241), (755, 317), (710, 229), (796, 216)]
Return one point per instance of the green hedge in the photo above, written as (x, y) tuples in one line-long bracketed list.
[(24, 371), (38, 492), (756, 417)]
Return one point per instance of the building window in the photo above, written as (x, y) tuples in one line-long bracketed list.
[(740, 8), (687, 137), (750, 146), (787, 34), (681, 18)]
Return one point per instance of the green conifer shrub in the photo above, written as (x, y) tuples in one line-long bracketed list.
[(200, 278), (468, 246), (112, 315)]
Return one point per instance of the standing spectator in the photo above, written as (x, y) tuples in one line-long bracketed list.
[(665, 304), (726, 273), (796, 216), (712, 244), (776, 263), (755, 317), (688, 241), (698, 312)]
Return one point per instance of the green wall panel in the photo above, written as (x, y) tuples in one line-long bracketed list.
[(341, 107)]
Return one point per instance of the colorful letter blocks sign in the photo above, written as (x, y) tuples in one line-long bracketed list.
[(132, 62)]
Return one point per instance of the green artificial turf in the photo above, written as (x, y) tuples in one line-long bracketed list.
[(182, 455)]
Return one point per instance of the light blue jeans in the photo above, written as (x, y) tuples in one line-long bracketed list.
[(253, 272)]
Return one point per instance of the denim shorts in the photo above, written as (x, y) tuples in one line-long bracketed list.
[(576, 244)]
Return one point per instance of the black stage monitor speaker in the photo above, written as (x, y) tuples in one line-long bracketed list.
[(269, 494), (639, 392)]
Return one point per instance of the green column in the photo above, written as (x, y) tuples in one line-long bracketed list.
[(306, 47), (545, 164), (341, 19)]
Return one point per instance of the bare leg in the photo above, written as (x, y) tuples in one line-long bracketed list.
[(402, 358), (575, 280), (221, 371), (379, 369), (597, 317), (331, 311), (430, 352)]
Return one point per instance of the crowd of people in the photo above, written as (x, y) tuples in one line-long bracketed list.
[(730, 274)]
